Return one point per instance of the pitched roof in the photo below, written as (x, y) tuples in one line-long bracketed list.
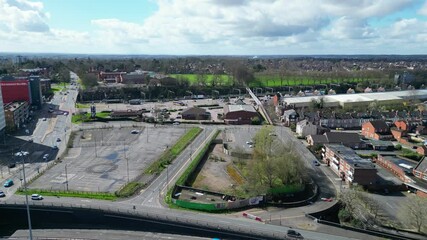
[(237, 108), (379, 124), (342, 137), (422, 166), (193, 110), (319, 139)]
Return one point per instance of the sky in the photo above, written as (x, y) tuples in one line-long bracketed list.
[(214, 27)]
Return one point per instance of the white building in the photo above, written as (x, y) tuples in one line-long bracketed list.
[(305, 128), (2, 119)]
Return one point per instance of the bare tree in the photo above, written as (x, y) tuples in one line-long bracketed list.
[(414, 212)]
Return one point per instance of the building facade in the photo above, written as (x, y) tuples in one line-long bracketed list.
[(348, 165), (35, 91), (239, 114), (305, 128), (377, 129), (15, 90), (2, 116), (16, 114)]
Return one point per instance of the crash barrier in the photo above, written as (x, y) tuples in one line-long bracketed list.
[(367, 231)]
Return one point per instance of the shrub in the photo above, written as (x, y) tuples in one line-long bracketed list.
[(129, 189), (398, 147)]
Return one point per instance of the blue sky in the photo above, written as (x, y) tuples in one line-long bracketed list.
[(214, 27)]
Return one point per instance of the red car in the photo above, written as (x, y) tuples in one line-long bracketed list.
[(327, 199)]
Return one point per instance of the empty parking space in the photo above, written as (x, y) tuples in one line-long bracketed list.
[(104, 159)]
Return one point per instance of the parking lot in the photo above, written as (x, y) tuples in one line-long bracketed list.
[(175, 107), (103, 159)]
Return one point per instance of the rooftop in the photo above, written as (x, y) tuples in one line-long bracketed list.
[(350, 156), (404, 164), (236, 108)]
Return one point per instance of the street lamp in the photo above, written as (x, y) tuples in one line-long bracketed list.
[(23, 154)]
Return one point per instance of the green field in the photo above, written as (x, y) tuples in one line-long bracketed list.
[(263, 80)]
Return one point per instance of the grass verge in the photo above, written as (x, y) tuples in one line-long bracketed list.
[(81, 105), (79, 118), (169, 155), (129, 189), (90, 195)]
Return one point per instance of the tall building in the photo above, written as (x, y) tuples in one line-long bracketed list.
[(2, 118), (35, 91)]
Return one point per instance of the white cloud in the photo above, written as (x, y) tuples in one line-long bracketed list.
[(423, 10), (23, 15), (225, 27)]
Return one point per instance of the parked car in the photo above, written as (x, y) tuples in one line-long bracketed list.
[(176, 123), (316, 163), (12, 165), (44, 119), (134, 131), (2, 194), (36, 197), (8, 183), (55, 147), (46, 156), (58, 139), (294, 234)]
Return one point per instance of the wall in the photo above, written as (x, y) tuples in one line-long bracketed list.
[(18, 90)]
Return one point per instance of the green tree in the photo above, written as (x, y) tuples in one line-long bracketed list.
[(89, 80), (414, 212)]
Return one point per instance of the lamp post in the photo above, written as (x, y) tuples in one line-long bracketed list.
[(23, 154)]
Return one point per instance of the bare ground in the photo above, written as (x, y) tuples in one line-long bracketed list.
[(213, 176)]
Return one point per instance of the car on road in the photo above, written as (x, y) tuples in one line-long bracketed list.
[(176, 123), (2, 194), (58, 139), (36, 197), (272, 134), (316, 163), (8, 183), (249, 143), (134, 131), (251, 146), (327, 199), (44, 119), (55, 147), (12, 165), (65, 113), (294, 234), (46, 156), (30, 140)]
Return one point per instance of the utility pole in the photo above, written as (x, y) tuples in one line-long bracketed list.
[(23, 154), (66, 177)]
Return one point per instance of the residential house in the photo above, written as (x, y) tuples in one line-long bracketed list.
[(379, 145), (305, 128), (195, 113), (239, 114), (421, 130), (351, 140), (400, 135), (407, 125), (422, 150), (348, 165), (290, 117), (377, 129)]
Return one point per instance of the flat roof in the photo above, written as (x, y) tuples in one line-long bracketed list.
[(359, 97), (350, 156), (404, 164)]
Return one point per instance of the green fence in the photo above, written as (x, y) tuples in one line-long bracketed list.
[(195, 206)]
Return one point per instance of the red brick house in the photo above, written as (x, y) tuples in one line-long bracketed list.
[(400, 135), (377, 129), (422, 150), (239, 114), (407, 125)]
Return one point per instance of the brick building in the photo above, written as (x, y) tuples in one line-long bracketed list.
[(348, 165), (239, 114), (377, 129), (401, 168), (16, 114)]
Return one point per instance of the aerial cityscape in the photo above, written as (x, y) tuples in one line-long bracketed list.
[(213, 119)]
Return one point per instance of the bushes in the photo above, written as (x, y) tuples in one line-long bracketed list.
[(129, 189), (91, 195), (398, 147), (169, 155), (411, 155)]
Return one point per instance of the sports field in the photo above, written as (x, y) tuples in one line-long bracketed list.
[(263, 80)]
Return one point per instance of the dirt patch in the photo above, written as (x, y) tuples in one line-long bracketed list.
[(214, 176)]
